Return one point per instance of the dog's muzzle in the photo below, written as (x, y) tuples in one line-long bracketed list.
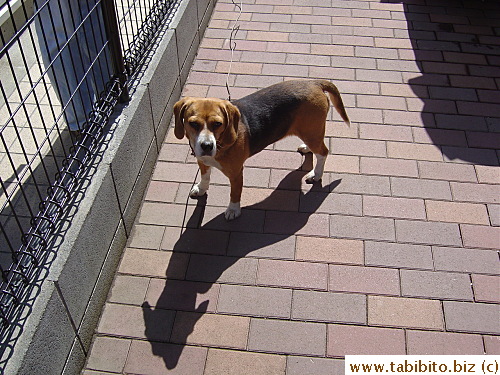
[(205, 145)]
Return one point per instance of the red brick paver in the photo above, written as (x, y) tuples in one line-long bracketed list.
[(395, 253)]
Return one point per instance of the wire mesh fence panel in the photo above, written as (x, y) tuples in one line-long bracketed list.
[(64, 66)]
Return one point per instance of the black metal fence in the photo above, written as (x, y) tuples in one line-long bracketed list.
[(63, 70)]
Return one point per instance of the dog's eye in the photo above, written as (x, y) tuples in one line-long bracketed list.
[(194, 125), (217, 125)]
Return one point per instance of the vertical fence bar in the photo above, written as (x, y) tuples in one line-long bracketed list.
[(113, 32)]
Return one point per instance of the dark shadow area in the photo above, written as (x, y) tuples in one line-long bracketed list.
[(457, 49), (230, 244)]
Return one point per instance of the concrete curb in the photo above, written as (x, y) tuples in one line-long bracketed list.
[(87, 256)]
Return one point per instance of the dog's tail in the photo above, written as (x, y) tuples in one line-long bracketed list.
[(335, 98)]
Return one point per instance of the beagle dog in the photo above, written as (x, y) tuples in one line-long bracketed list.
[(224, 134)]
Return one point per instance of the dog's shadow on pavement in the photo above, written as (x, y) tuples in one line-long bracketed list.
[(186, 295)]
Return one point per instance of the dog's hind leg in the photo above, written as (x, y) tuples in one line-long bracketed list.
[(321, 152), (201, 187)]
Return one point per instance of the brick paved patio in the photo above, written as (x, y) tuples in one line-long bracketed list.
[(394, 253)]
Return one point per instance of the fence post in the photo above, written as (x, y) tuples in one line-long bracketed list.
[(113, 33)]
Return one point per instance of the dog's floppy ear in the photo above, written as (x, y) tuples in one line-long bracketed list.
[(233, 119), (179, 109)]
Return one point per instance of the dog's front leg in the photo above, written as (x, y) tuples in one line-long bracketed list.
[(201, 187), (234, 209)]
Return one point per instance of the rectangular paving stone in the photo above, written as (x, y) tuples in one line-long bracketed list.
[(369, 115), (480, 193), (296, 223), (443, 343), (256, 177), (328, 307), (135, 321), (415, 151), (292, 274), (296, 365), (398, 255), (378, 76), (471, 317), (447, 171), (200, 241), (416, 118), (432, 233), (329, 250), (481, 236), (466, 260), (474, 155), (385, 132), (223, 361), (359, 147), (405, 312), (155, 213), (362, 227), (492, 344), (182, 295), (153, 263), (331, 203), (269, 199), (494, 213), (362, 184), (146, 236), (342, 164), (361, 340), (487, 174), (255, 301), (210, 329), (161, 191), (459, 122), (128, 289), (439, 136), (455, 212), (261, 245), (486, 288), (176, 172), (289, 337), (154, 358), (389, 167), (173, 153), (483, 140), (431, 284), (403, 208), (108, 354), (327, 71), (210, 269), (369, 280)]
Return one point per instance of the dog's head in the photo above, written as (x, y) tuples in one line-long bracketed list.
[(209, 124)]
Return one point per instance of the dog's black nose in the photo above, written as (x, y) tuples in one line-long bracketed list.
[(207, 146)]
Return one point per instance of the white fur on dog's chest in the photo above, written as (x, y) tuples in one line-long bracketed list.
[(210, 162)]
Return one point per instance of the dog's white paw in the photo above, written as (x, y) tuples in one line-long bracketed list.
[(303, 149), (311, 177), (233, 211), (197, 191)]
